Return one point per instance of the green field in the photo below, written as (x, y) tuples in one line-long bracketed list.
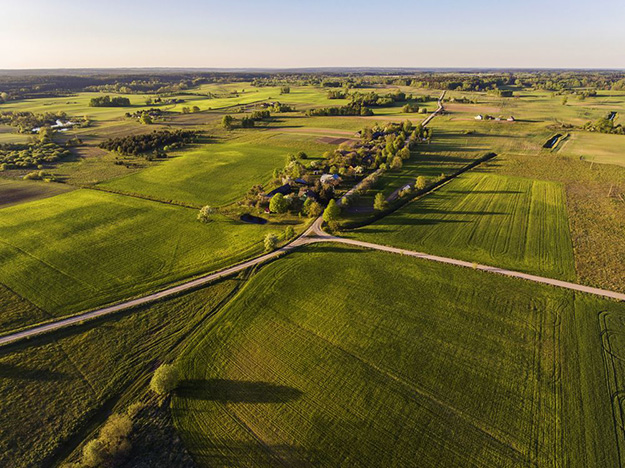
[(55, 392), (218, 173), (86, 248), (501, 221), (343, 357)]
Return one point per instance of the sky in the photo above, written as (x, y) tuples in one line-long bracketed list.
[(315, 33)]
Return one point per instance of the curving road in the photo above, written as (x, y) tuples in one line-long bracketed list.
[(312, 235)]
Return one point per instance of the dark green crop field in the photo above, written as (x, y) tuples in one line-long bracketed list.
[(504, 221), (343, 357)]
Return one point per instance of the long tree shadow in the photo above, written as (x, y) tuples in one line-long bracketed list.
[(232, 453), (237, 391), (11, 371)]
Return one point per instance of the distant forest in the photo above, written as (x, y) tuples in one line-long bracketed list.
[(15, 86)]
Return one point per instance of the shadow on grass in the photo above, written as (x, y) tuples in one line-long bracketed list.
[(233, 453), (477, 192), (10, 371), (237, 391)]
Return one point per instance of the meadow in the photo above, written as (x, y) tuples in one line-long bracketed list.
[(509, 222), (85, 248), (56, 390), (219, 173), (335, 356), (595, 147)]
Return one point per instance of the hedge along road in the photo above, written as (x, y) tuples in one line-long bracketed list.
[(313, 234)]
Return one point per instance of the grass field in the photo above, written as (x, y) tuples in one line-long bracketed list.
[(85, 248), (342, 357), (596, 147), (502, 221), (218, 173), (54, 391)]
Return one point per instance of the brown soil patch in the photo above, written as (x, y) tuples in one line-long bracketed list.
[(16, 192)]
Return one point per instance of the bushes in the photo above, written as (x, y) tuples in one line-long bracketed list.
[(26, 121), (271, 242), (107, 101), (379, 202), (205, 214), (137, 144), (112, 446), (24, 156)]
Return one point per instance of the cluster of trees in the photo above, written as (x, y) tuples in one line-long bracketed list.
[(605, 125), (190, 110), (146, 116), (112, 445), (338, 94), (502, 92), (17, 155), (279, 107), (352, 108), (108, 101), (248, 121), (157, 140), (26, 121)]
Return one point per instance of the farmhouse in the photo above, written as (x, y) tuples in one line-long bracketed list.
[(330, 179), (479, 117)]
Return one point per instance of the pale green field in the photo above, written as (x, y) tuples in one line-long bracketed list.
[(85, 248), (219, 173), (597, 147)]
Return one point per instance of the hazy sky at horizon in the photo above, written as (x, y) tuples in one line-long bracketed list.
[(280, 33)]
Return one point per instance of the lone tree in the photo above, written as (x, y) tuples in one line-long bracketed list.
[(227, 121), (205, 214), (421, 182), (271, 242), (312, 208), (289, 232), (379, 202), (278, 204), (396, 163), (165, 379), (331, 214)]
